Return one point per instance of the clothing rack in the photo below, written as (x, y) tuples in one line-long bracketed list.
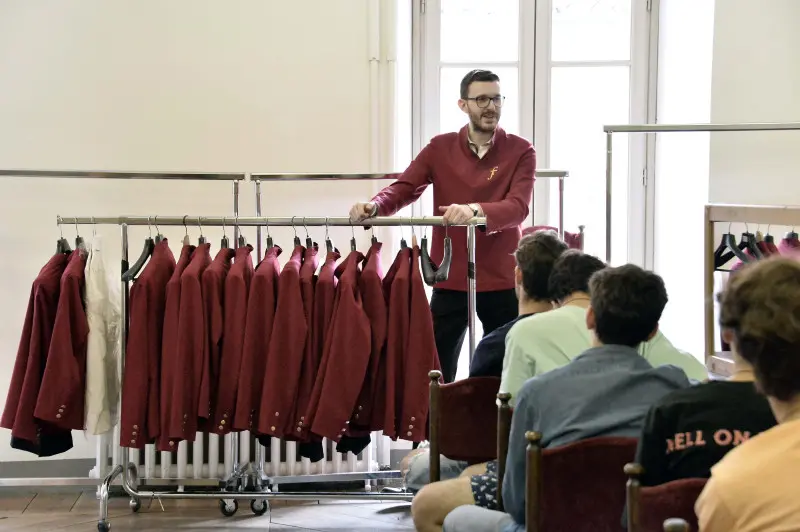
[(673, 128), (721, 363), (228, 499), (102, 455)]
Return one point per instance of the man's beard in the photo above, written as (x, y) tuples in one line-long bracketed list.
[(475, 120)]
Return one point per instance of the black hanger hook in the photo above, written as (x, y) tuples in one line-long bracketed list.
[(327, 237), (200, 227), (224, 233), (294, 228), (59, 220)]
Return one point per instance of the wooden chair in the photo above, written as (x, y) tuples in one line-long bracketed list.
[(649, 508), (458, 427), (576, 487)]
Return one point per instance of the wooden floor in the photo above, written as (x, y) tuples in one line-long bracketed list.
[(75, 511)]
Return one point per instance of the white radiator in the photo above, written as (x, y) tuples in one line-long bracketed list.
[(211, 457)]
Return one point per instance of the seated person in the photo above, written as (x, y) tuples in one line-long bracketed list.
[(543, 342), (605, 391), (688, 431), (754, 487), (535, 255)]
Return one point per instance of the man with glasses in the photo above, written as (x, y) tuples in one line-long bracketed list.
[(479, 171)]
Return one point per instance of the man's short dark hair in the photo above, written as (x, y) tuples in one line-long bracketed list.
[(473, 76), (571, 273), (627, 302), (761, 306), (536, 253)]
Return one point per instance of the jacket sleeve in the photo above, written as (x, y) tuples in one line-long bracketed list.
[(285, 359), (349, 355), (408, 187), (134, 399), (232, 348), (512, 210), (61, 396)]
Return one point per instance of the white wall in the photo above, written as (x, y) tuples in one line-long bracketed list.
[(172, 85), (756, 78)]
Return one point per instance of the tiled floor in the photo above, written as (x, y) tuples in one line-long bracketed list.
[(75, 511)]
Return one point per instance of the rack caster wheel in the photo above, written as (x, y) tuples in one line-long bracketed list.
[(228, 509), (135, 505), (259, 506), (103, 526)]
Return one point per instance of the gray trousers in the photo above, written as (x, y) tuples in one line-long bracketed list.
[(476, 519), (419, 471)]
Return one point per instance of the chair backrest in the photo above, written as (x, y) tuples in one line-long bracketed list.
[(581, 486), (649, 507), (463, 415)]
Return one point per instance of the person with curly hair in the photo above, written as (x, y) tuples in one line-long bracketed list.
[(754, 487)]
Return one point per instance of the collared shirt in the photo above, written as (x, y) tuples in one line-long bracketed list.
[(604, 392), (479, 150)]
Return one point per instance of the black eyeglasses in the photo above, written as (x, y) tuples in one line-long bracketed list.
[(483, 101)]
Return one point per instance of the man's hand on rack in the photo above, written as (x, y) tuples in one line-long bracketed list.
[(362, 211), (456, 214)]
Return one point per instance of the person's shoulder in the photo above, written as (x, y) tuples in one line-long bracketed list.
[(444, 140), (516, 141), (675, 375), (545, 321)]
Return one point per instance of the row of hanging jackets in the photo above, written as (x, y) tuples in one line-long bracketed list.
[(307, 351), (65, 375)]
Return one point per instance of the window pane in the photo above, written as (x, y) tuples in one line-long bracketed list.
[(591, 30), (479, 30), (451, 118), (583, 100)]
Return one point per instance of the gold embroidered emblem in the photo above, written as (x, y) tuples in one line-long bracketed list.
[(491, 174)]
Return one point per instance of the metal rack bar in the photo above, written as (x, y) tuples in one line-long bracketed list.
[(541, 174), (129, 471), (254, 221), (84, 174), (721, 363), (673, 128)]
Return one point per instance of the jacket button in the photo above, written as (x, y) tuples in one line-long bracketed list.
[(356, 416), (360, 407), (133, 442), (272, 428), (410, 427), (413, 419), (63, 406), (222, 422), (58, 416), (302, 418), (220, 427), (185, 416), (60, 410), (135, 427), (172, 444), (299, 429), (408, 433), (133, 433), (225, 415)]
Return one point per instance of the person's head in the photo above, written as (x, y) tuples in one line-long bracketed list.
[(626, 304), (535, 255), (571, 274), (481, 99), (760, 317)]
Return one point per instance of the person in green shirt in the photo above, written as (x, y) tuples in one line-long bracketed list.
[(543, 342)]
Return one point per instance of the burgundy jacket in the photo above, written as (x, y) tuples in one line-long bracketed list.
[(396, 338), (139, 418), (27, 433), (169, 348), (237, 289), (346, 359), (257, 334), (285, 358), (191, 346)]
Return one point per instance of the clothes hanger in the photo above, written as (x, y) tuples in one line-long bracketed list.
[(270, 243), (431, 273), (149, 244), (296, 238), (329, 247), (186, 240), (224, 243), (727, 250), (202, 239), (353, 245), (62, 244), (791, 235), (159, 236), (748, 242), (309, 243), (79, 244), (242, 242), (403, 243), (374, 240)]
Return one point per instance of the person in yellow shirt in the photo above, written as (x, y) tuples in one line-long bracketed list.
[(754, 487)]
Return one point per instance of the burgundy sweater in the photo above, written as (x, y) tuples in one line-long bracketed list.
[(501, 182)]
